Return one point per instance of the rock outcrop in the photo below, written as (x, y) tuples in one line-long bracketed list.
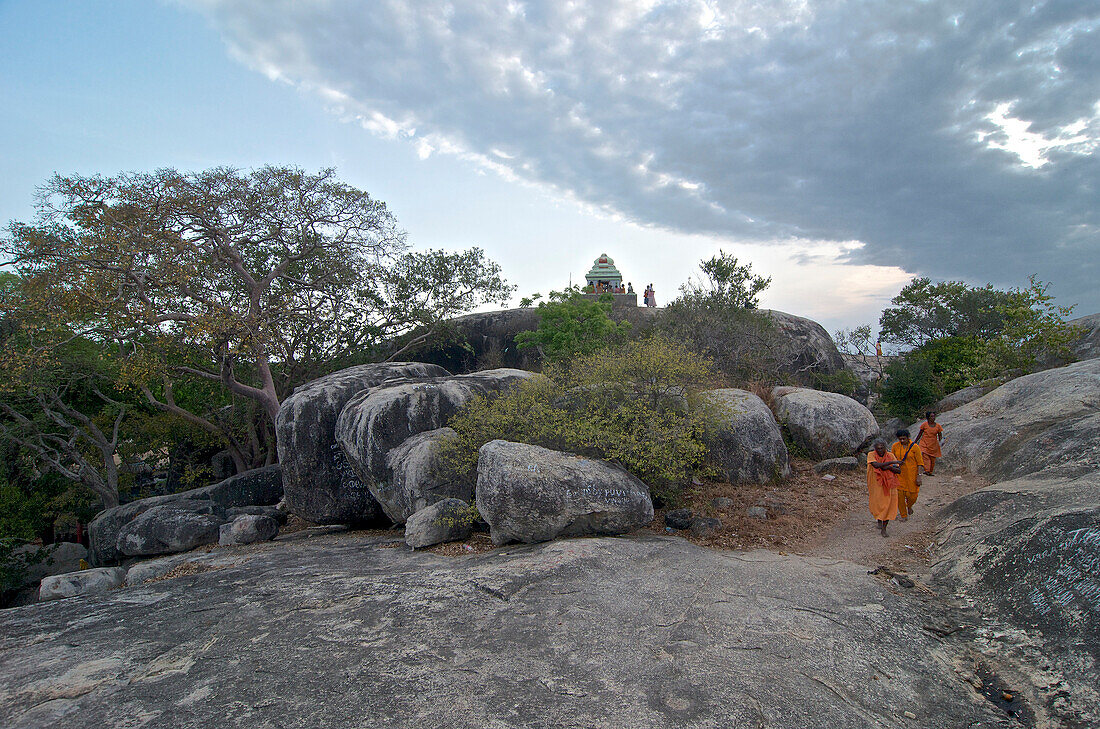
[(961, 397), (416, 479), (443, 521), (177, 526), (490, 337), (1026, 554), (1087, 344), (375, 421), (634, 632), (744, 439), (258, 487), (531, 494), (319, 484), (247, 529), (824, 424), (1048, 419), (83, 582)]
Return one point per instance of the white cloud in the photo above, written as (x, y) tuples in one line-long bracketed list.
[(950, 138)]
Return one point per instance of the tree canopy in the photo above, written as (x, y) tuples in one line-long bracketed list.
[(212, 294)]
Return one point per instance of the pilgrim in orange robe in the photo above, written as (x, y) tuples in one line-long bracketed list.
[(930, 445), (908, 490), (882, 487)]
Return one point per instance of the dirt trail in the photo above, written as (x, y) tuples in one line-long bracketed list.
[(856, 538)]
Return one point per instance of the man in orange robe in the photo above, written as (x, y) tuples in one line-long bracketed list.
[(931, 434), (909, 456), (882, 484)]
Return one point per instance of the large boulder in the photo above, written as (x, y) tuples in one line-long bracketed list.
[(176, 526), (247, 529), (258, 487), (443, 521), (823, 424), (83, 582), (532, 494), (1048, 419), (744, 439), (417, 477), (1087, 343), (807, 347), (961, 397), (1025, 553), (377, 420), (317, 481)]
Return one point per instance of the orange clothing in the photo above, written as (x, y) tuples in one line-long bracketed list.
[(882, 487), (930, 439), (906, 499), (910, 466)]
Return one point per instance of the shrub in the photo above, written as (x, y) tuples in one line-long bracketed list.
[(910, 388), (571, 324), (950, 360), (637, 404)]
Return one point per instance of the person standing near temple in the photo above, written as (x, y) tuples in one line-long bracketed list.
[(651, 296)]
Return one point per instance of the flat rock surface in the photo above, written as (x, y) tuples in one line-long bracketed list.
[(347, 631)]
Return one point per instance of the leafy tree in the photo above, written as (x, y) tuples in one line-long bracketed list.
[(217, 292), (967, 333), (636, 404), (572, 325), (718, 317), (727, 283)]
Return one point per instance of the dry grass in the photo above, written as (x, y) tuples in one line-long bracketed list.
[(476, 543), (182, 570), (800, 509)]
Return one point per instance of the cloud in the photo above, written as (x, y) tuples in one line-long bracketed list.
[(953, 139)]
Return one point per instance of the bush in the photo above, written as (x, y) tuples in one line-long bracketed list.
[(910, 388), (637, 405), (571, 324)]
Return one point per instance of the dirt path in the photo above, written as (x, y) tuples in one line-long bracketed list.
[(856, 538)]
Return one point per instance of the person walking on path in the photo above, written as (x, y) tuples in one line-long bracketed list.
[(909, 456), (882, 484), (931, 435)]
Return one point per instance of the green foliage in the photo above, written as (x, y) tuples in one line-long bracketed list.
[(572, 325), (637, 404), (718, 317), (728, 284), (910, 388), (970, 334), (950, 360), (844, 382)]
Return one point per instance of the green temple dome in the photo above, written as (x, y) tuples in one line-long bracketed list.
[(604, 270)]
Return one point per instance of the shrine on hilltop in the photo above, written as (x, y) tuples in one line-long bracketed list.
[(605, 278)]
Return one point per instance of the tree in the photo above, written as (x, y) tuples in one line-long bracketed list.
[(253, 282), (971, 333), (571, 325), (718, 316)]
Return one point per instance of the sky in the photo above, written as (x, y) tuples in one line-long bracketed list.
[(841, 147)]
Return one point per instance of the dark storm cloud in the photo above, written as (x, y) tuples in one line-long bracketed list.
[(758, 121)]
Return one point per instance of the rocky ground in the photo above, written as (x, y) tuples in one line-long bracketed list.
[(353, 629)]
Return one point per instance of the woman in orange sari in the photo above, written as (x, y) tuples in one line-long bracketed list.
[(882, 484), (931, 434)]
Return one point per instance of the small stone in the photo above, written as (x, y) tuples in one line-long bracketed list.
[(679, 518), (721, 502), (828, 477), (910, 715), (702, 526), (757, 512)]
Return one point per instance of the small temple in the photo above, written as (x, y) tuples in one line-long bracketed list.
[(605, 278)]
